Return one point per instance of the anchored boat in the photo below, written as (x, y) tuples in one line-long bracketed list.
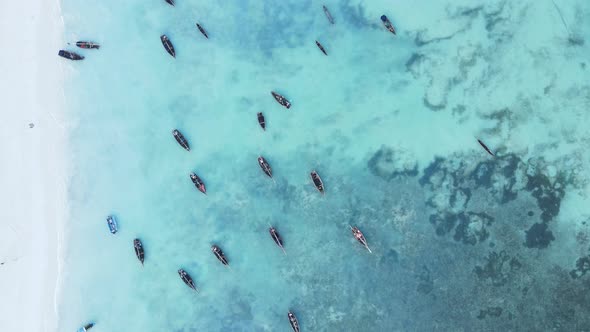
[(387, 24), (219, 254), (321, 47), (186, 278), (293, 321), (281, 100), (328, 15), (70, 55), (202, 30), (168, 45), (87, 45), (86, 327), (265, 166), (138, 246), (180, 139), (261, 121), (358, 235), (198, 183), (277, 238), (112, 223), (317, 181)]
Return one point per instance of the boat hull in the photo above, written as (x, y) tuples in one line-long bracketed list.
[(265, 166), (168, 45), (180, 139), (328, 15), (261, 120), (281, 100), (202, 30), (317, 181), (87, 45), (219, 254), (139, 252), (388, 24), (112, 224), (70, 55)]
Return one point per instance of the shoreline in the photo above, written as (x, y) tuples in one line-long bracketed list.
[(34, 204)]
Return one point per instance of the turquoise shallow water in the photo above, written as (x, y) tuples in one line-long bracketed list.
[(461, 241)]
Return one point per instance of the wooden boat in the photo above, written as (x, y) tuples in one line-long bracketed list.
[(180, 139), (293, 321), (317, 181), (387, 24), (112, 223), (328, 15), (87, 45), (321, 47), (202, 30), (265, 166), (70, 55), (86, 327), (187, 279), (219, 254), (358, 235), (198, 183), (168, 45), (138, 246), (277, 238), (261, 121), (281, 100), (486, 148)]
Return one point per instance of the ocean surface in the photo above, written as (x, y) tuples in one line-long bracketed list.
[(461, 240)]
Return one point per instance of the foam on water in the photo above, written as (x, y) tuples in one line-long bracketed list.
[(390, 123)]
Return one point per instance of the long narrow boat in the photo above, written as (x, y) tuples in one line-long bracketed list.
[(277, 238), (358, 235), (171, 2), (281, 100), (261, 121), (388, 24), (198, 183), (70, 55), (180, 139), (219, 254), (328, 15), (86, 327), (321, 47), (168, 45), (202, 30), (293, 321), (317, 181), (112, 223), (138, 246), (486, 148), (265, 166), (187, 279), (87, 45)]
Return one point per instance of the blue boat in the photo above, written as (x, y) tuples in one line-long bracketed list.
[(112, 224)]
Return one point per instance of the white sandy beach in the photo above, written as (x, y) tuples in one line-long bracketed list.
[(32, 207)]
